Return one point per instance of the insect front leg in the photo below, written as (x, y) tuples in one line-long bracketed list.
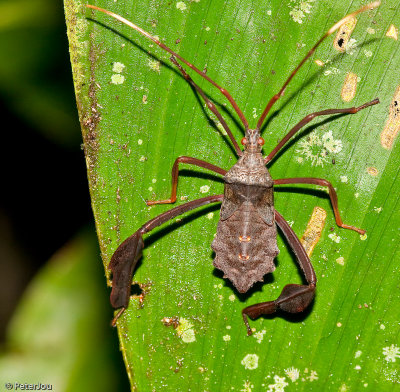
[(175, 175), (294, 298), (332, 195), (310, 117), (125, 258)]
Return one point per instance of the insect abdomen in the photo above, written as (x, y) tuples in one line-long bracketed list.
[(245, 247)]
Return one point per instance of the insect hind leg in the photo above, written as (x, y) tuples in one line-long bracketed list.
[(294, 298)]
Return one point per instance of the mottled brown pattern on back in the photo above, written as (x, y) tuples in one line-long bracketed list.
[(261, 248)]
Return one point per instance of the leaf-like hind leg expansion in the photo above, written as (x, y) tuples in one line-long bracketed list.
[(294, 298), (310, 117), (332, 196), (175, 175), (125, 258)]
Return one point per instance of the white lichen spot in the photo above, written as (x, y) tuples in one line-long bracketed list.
[(339, 324), (255, 113), (269, 12), (118, 67), (370, 30), (367, 53), (117, 79), (357, 367), (154, 65), (340, 260), (299, 160), (297, 15), (343, 388), (150, 188), (226, 338), (185, 330), (140, 142), (246, 387), (332, 145), (228, 327), (154, 180), (356, 195), (313, 376), (319, 63), (391, 353), (363, 237), (378, 210), (299, 10), (358, 354), (144, 100), (351, 46), (392, 32), (334, 237), (207, 28), (232, 297), (142, 158), (183, 197), (250, 361), (181, 5), (317, 148), (292, 373), (382, 327), (344, 179), (279, 386), (259, 335), (332, 71), (204, 189), (210, 215)]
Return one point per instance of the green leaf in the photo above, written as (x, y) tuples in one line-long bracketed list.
[(58, 335), (138, 115)]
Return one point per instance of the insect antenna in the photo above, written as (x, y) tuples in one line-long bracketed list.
[(176, 55), (335, 27)]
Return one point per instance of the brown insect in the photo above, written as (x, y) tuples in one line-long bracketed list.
[(245, 244)]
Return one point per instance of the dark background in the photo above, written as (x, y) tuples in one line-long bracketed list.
[(44, 200)]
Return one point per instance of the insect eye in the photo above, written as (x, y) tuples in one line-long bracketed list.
[(244, 141), (261, 141)]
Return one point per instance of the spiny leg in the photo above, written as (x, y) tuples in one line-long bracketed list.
[(175, 174), (166, 48), (125, 258), (332, 195), (308, 55), (294, 298), (311, 116), (210, 105)]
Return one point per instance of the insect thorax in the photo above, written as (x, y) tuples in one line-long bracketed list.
[(249, 170)]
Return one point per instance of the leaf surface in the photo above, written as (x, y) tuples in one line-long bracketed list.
[(138, 115)]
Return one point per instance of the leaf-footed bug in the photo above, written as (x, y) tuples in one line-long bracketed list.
[(245, 243)]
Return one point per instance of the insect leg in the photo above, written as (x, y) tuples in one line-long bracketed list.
[(175, 174), (311, 116), (125, 258), (294, 298), (166, 48), (332, 196), (209, 104), (271, 102)]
